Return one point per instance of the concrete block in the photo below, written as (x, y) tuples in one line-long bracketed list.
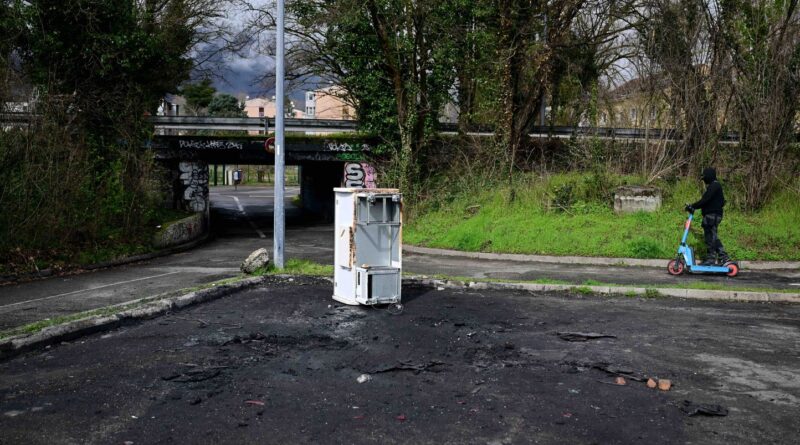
[(629, 199), (181, 231)]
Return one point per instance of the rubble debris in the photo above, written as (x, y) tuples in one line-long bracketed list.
[(401, 418), (609, 369), (254, 402), (582, 336), (664, 384), (620, 381), (364, 378), (253, 336), (194, 375), (694, 409), (651, 383), (410, 366)]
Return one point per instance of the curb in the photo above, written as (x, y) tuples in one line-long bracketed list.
[(595, 261), (694, 294), (149, 256), (155, 306), (16, 345), (46, 273)]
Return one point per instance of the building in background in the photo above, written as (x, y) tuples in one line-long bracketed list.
[(263, 107), (172, 105), (328, 103)]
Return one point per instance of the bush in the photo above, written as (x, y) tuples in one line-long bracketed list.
[(63, 193)]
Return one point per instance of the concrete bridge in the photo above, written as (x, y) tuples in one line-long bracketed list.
[(325, 162)]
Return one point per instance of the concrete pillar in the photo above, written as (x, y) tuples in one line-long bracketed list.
[(317, 180), (194, 182)]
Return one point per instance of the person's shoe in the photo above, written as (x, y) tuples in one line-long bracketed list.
[(709, 262), (724, 260)]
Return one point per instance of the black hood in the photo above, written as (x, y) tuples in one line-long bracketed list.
[(709, 175)]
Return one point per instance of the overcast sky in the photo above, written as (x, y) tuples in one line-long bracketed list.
[(241, 73)]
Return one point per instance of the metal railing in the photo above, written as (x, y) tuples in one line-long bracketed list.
[(250, 124), (257, 124)]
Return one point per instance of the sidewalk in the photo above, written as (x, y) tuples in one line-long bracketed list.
[(583, 270), (598, 261)]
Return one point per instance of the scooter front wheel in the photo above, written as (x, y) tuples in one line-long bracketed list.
[(675, 267), (733, 269)]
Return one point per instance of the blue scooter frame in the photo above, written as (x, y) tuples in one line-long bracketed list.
[(685, 259)]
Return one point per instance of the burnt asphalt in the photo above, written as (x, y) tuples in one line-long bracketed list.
[(279, 364)]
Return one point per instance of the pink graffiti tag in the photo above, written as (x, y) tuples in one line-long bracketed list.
[(360, 175)]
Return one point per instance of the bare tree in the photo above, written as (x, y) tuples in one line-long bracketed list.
[(763, 41), (681, 53)]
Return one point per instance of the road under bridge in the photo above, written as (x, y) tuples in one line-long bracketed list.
[(325, 162)]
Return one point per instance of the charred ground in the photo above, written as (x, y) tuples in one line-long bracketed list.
[(281, 364)]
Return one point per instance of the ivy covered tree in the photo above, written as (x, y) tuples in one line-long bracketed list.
[(393, 59)]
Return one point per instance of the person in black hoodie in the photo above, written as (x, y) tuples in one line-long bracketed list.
[(711, 204)]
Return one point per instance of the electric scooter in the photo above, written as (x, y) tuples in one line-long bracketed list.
[(685, 259)]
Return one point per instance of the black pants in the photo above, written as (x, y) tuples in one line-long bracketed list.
[(714, 249)]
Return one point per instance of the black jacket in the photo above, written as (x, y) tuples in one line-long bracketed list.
[(713, 199)]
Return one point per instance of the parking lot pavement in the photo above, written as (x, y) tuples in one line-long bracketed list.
[(282, 364)]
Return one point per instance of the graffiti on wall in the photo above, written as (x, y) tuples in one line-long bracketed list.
[(360, 175), (346, 146), (194, 177), (353, 157), (210, 145)]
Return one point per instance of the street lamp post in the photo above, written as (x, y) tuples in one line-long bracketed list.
[(279, 215)]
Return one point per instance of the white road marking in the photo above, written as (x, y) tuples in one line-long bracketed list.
[(794, 284), (238, 204), (86, 290), (260, 233), (252, 224)]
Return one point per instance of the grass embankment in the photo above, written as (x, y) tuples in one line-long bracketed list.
[(572, 214), (114, 246)]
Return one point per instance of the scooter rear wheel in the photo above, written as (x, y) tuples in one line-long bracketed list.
[(733, 269), (675, 267)]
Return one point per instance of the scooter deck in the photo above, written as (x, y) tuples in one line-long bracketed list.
[(709, 269)]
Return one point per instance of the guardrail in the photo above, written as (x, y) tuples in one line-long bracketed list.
[(335, 126), (250, 123)]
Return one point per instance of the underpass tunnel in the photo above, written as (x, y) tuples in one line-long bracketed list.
[(197, 167), (247, 207), (317, 181)]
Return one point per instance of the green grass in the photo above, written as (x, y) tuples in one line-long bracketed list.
[(589, 227), (298, 267)]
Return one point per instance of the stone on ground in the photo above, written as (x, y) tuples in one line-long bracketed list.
[(256, 260)]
